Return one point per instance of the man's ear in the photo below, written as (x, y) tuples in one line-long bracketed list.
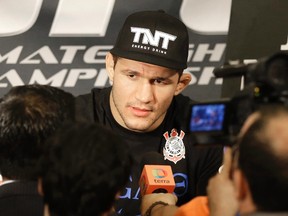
[(110, 64), (241, 185), (184, 81), (39, 187), (243, 193)]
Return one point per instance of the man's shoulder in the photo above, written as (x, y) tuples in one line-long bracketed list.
[(97, 94), (179, 111), (84, 107), (182, 99), (94, 91), (87, 104), (83, 98), (182, 104)]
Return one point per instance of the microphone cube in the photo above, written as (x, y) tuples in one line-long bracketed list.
[(156, 179)]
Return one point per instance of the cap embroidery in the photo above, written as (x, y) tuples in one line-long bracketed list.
[(153, 37), (174, 149), (149, 39)]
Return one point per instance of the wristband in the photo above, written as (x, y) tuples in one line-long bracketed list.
[(149, 210)]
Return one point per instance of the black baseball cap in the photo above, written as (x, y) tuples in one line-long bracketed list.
[(154, 37)]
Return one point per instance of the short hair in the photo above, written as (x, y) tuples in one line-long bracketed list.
[(265, 170), (28, 115), (84, 166)]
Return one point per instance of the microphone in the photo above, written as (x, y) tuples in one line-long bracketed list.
[(156, 177)]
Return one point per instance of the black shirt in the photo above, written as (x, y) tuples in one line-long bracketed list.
[(191, 172)]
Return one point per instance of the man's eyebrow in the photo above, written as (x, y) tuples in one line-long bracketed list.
[(129, 71), (166, 77), (162, 78)]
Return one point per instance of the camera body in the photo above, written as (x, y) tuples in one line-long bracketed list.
[(219, 122)]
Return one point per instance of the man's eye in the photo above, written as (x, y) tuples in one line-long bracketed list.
[(159, 81), (131, 75)]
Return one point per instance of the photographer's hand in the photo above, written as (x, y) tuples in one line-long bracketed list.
[(221, 193)]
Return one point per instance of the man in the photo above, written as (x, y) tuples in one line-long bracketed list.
[(28, 115), (83, 169), (260, 179), (145, 105)]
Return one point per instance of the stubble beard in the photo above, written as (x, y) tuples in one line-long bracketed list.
[(129, 126)]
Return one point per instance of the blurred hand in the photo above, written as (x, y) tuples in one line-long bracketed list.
[(149, 199), (222, 198)]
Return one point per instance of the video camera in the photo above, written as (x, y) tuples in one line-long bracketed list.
[(265, 82)]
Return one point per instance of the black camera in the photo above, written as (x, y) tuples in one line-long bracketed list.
[(219, 122)]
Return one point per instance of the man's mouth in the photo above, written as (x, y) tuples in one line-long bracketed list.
[(140, 112)]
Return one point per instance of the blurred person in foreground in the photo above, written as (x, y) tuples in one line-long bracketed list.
[(83, 170), (28, 116), (254, 183)]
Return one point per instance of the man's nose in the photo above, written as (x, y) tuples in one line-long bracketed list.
[(144, 92)]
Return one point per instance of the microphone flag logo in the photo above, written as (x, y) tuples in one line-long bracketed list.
[(159, 173)]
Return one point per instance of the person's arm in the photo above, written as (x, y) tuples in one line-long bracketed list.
[(222, 198), (159, 204)]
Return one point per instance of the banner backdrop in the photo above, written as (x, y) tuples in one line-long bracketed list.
[(63, 43)]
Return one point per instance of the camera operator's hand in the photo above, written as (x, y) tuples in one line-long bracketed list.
[(221, 193)]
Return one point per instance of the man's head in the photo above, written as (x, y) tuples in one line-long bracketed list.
[(28, 115), (84, 167), (145, 67), (263, 161)]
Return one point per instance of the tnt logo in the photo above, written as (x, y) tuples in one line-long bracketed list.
[(149, 39), (159, 173)]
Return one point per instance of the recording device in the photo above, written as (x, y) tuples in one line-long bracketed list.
[(156, 177), (219, 122)]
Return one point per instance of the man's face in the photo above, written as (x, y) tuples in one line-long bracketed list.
[(141, 94)]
